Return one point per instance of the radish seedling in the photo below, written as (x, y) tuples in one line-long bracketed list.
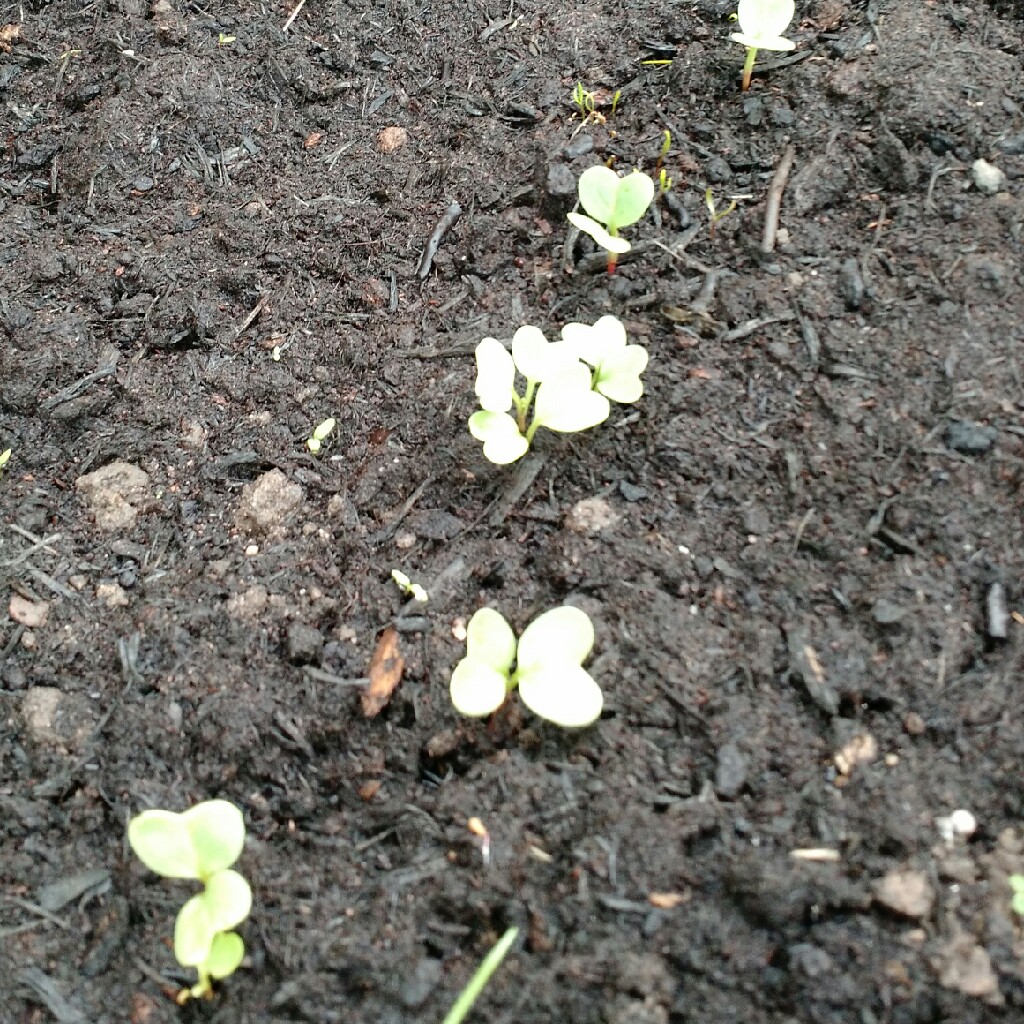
[(5, 457), (558, 387), (410, 589), (1017, 885), (762, 23), (202, 844), (616, 365), (315, 441), (546, 665), (611, 203)]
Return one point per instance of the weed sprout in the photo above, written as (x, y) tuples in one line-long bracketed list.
[(611, 203), (762, 23)]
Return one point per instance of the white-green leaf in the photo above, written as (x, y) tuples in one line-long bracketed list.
[(598, 187), (618, 377), (762, 23), (561, 635), (495, 376), (477, 689), (490, 640), (217, 831), (228, 900), (567, 404), (227, 951), (535, 357), (162, 842), (634, 195), (562, 693), (611, 243), (503, 443), (193, 933), (594, 342)]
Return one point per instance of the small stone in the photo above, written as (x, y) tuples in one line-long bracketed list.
[(143, 183), (304, 644), (32, 614), (965, 966), (811, 961), (888, 613), (112, 595), (404, 540), (425, 978), (914, 724), (970, 438), (560, 184), (731, 771), (57, 720), (591, 515), (851, 284), (249, 605), (987, 177), (435, 524), (391, 139), (115, 494), (268, 503), (580, 146), (756, 521), (631, 492), (907, 893)]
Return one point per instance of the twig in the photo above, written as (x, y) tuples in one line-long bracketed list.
[(451, 215), (389, 531), (106, 368), (293, 15), (750, 327), (774, 204)]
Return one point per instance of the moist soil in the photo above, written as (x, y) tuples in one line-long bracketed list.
[(802, 549)]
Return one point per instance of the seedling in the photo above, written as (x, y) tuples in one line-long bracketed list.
[(406, 585), (320, 434), (616, 365), (558, 388), (5, 457), (546, 665), (586, 103), (202, 844), (762, 23), (1017, 902), (469, 995), (716, 215), (611, 203)]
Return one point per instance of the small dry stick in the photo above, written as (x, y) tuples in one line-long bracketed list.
[(774, 205), (293, 15)]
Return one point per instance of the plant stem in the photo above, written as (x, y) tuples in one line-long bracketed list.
[(469, 995), (748, 66)]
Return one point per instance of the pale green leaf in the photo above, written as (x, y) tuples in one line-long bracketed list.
[(162, 842), (227, 951), (562, 693), (217, 831), (594, 342), (618, 377), (535, 357), (634, 195), (193, 933), (598, 187), (477, 689), (563, 634), (490, 640), (503, 443), (762, 23), (773, 43), (228, 900), (612, 243), (567, 404), (495, 376)]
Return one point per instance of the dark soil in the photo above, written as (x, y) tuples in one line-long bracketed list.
[(815, 545)]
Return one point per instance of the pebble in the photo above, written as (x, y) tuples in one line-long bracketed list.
[(304, 644), (965, 966), (907, 892), (268, 502), (888, 613), (851, 284), (112, 595), (591, 515), (631, 492), (987, 177), (115, 494), (58, 720), (32, 614), (731, 771), (970, 438)]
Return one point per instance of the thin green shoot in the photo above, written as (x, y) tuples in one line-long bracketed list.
[(762, 23), (615, 101), (1017, 885), (320, 434), (5, 457), (408, 587), (716, 215), (469, 995)]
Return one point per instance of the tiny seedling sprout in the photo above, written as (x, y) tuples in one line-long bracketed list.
[(762, 23), (546, 664), (569, 384), (202, 844), (315, 441), (716, 214), (410, 589), (611, 203), (490, 963), (1017, 901), (5, 457)]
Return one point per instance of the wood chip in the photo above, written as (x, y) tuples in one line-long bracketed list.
[(386, 667)]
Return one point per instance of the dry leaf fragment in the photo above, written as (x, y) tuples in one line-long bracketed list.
[(312, 139), (8, 34), (385, 673)]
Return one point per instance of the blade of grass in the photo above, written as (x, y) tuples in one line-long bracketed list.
[(469, 995)]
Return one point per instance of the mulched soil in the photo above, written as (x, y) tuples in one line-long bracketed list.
[(807, 579)]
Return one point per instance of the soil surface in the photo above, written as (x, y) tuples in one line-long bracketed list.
[(803, 548)]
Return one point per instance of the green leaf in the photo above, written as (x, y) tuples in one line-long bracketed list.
[(562, 693), (193, 934), (503, 443), (217, 831), (162, 842), (535, 357), (595, 342), (762, 23), (567, 404), (563, 634), (490, 640), (228, 900), (1017, 903), (495, 376), (226, 954), (618, 377), (634, 195), (598, 187), (611, 243), (477, 689)]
